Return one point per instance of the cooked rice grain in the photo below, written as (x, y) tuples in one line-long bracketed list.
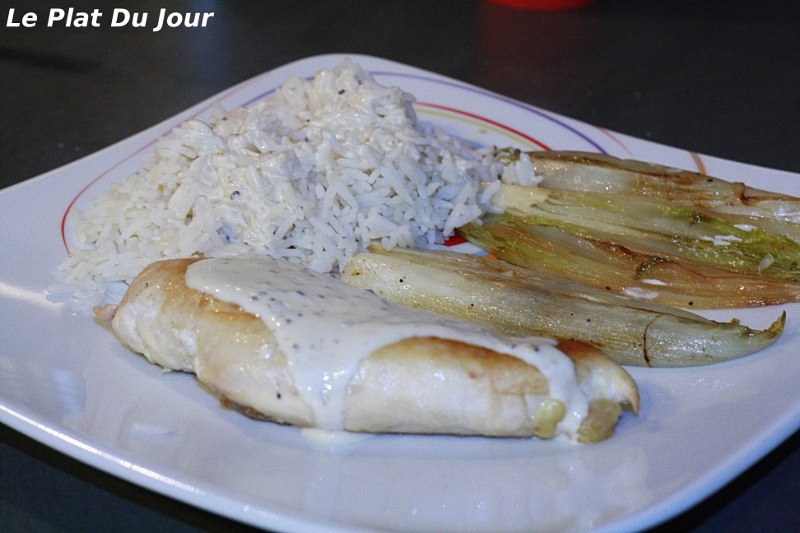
[(313, 174)]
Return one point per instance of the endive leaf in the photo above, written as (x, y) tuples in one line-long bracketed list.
[(672, 232), (613, 267), (517, 301), (585, 171)]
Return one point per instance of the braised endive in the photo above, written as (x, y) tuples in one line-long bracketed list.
[(518, 301), (670, 254), (585, 171)]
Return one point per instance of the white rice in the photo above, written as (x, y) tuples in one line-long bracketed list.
[(314, 174)]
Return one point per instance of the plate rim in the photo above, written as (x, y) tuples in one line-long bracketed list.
[(648, 516)]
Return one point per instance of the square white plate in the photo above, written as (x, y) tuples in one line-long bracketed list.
[(66, 381)]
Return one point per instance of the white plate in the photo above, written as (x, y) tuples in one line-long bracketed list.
[(65, 380)]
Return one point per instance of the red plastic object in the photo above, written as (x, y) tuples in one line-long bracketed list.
[(544, 5)]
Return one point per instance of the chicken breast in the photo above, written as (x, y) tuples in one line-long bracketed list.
[(406, 382)]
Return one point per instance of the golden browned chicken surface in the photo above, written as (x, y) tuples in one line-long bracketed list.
[(410, 383)]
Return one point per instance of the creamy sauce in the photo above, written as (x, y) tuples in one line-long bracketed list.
[(744, 227), (765, 262), (325, 328), (651, 281), (639, 293), (722, 240), (331, 438)]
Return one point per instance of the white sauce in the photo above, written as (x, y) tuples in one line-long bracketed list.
[(722, 240), (651, 281), (744, 227), (639, 293), (325, 328), (765, 262), (331, 438)]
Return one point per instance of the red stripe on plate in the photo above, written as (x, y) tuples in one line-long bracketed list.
[(488, 121)]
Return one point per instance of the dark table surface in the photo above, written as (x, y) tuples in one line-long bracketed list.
[(718, 78)]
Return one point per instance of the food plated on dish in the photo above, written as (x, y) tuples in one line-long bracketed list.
[(290, 189), (631, 430), (283, 343), (276, 199)]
